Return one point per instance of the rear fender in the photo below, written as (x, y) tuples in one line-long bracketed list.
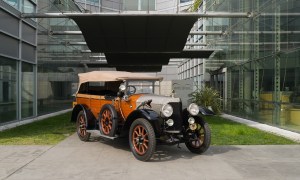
[(91, 120)]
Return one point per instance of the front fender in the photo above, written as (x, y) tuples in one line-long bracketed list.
[(147, 114)]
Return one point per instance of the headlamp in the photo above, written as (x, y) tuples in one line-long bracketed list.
[(193, 109), (167, 110), (170, 122)]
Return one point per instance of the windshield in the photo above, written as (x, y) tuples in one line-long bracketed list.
[(137, 87)]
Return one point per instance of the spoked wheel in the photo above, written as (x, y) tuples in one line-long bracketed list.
[(108, 120), (199, 140), (81, 127), (142, 139)]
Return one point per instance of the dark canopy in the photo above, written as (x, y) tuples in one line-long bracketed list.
[(138, 39)]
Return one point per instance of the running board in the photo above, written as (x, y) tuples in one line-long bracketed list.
[(97, 133)]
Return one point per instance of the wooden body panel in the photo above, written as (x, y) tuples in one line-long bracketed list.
[(128, 106), (95, 103)]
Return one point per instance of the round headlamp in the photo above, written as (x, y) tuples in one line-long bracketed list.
[(167, 110), (191, 120), (170, 122), (193, 109)]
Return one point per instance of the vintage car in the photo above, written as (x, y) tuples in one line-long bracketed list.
[(123, 104)]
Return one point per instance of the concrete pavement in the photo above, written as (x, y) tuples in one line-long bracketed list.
[(102, 159)]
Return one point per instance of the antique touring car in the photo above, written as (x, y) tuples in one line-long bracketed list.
[(121, 103)]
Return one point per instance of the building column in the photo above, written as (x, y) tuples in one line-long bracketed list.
[(276, 95), (256, 61), (241, 88)]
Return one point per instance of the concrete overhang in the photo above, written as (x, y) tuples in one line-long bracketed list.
[(138, 39), (115, 33), (153, 58), (132, 40)]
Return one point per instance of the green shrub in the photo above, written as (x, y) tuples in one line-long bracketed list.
[(207, 97)]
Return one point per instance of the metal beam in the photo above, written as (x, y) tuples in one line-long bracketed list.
[(200, 15), (240, 32), (255, 43), (60, 32), (67, 52), (206, 33), (279, 14), (73, 61), (196, 44), (191, 33), (63, 43)]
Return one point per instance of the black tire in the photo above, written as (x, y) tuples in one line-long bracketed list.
[(199, 142), (81, 126), (108, 120), (142, 139)]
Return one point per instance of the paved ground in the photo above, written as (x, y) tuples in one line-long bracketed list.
[(73, 159)]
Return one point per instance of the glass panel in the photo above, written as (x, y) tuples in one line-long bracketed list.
[(139, 5), (28, 52), (184, 1), (9, 46), (8, 90), (9, 24), (131, 5), (28, 7), (13, 3), (27, 90), (56, 85), (28, 33)]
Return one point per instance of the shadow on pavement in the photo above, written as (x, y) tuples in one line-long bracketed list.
[(165, 152)]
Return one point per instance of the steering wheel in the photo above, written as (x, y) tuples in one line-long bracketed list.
[(131, 89)]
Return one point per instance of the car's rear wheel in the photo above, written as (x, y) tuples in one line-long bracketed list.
[(108, 120), (198, 141), (81, 125), (142, 139)]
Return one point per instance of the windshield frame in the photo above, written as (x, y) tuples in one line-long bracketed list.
[(140, 84)]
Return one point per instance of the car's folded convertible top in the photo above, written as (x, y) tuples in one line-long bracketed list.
[(97, 76)]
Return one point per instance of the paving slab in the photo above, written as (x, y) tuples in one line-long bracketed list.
[(14, 158), (107, 159)]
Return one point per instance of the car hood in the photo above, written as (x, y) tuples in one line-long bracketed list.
[(157, 100)]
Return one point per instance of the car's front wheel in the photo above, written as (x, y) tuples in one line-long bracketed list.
[(142, 139), (198, 141)]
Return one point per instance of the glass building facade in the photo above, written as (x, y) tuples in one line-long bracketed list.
[(256, 65), (17, 61)]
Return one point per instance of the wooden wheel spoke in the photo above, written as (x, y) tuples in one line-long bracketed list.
[(143, 148), (140, 148), (82, 132), (143, 132), (145, 145)]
